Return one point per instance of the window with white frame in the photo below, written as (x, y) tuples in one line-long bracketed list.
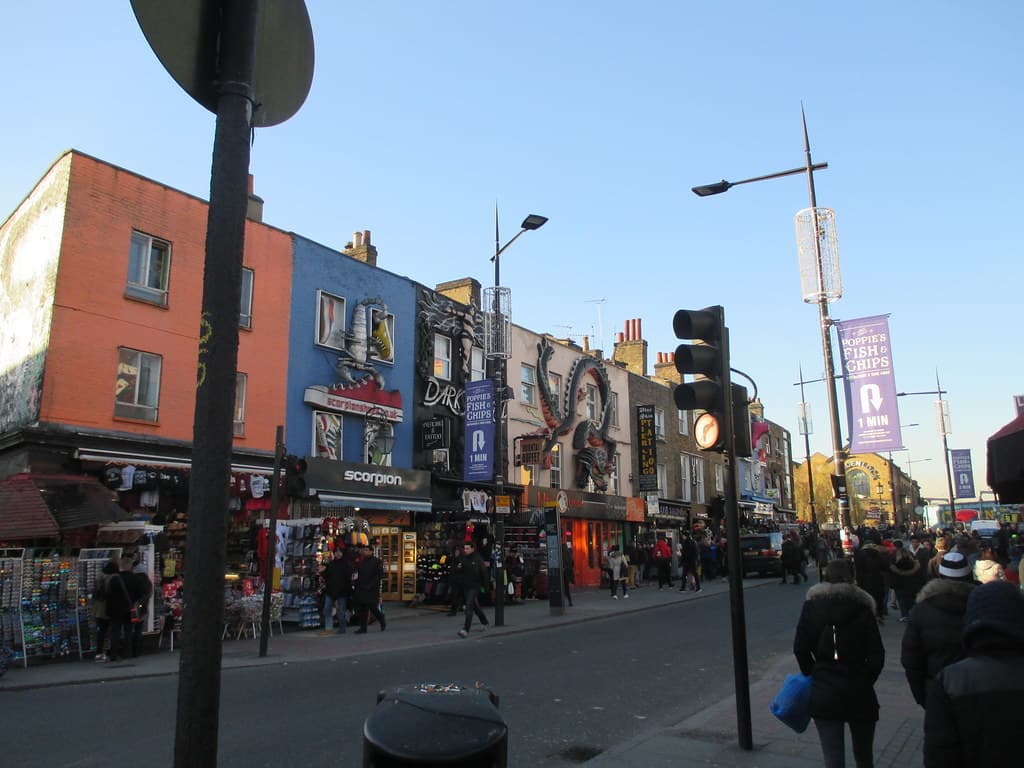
[(719, 478), (382, 330), (593, 412), (327, 431), (613, 478), (477, 365), (149, 269), (330, 320), (137, 391), (529, 474), (684, 422), (659, 423), (556, 466), (241, 383), (245, 311), (442, 357), (528, 384), (614, 415), (662, 480), (555, 386), (691, 470)]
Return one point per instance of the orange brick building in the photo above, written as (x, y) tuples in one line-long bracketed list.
[(100, 310)]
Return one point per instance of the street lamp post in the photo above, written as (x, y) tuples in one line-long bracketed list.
[(822, 296), (805, 427), (942, 417), (497, 337)]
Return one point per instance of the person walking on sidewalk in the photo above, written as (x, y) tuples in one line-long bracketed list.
[(973, 715), (933, 637), (838, 644), (474, 577), (663, 562), (337, 590), (99, 608), (366, 591), (689, 557), (568, 573), (906, 579), (792, 558), (618, 570)]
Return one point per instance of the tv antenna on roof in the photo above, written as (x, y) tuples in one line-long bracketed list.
[(600, 329)]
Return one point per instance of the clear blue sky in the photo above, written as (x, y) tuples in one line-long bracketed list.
[(602, 115)]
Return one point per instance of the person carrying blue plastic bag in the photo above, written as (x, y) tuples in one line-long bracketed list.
[(838, 645), (792, 704)]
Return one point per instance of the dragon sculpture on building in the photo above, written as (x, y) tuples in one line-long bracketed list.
[(595, 451)]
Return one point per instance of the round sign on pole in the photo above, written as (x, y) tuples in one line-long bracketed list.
[(184, 36)]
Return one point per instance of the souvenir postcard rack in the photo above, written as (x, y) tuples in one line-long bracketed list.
[(39, 605)]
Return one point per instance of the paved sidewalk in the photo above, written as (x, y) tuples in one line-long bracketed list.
[(706, 739)]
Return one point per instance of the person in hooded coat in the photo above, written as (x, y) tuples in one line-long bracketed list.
[(872, 564), (933, 637), (906, 580), (973, 715), (838, 644)]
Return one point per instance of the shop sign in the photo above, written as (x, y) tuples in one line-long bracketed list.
[(964, 473), (647, 449), (342, 400), (326, 475), (503, 505), (432, 434), (530, 450), (653, 507)]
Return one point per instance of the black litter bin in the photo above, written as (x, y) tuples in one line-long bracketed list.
[(435, 725)]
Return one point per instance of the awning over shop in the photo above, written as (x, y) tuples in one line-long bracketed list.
[(34, 506), (1006, 462), (370, 502)]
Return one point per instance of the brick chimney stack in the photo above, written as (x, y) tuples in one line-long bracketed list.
[(465, 290), (361, 249), (631, 349), (665, 368), (254, 208)]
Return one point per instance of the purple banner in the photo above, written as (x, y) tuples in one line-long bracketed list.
[(479, 431), (963, 474), (871, 410)]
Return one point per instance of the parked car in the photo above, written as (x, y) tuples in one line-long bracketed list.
[(762, 553), (987, 529)]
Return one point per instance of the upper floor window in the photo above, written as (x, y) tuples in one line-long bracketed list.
[(330, 320), (477, 365), (528, 384), (442, 357), (662, 480), (614, 417), (555, 387), (719, 478), (659, 423), (137, 392), (684, 422), (149, 268), (613, 479), (556, 465), (327, 435), (245, 312), (593, 412), (241, 383), (382, 329)]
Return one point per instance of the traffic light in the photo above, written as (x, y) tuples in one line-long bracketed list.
[(295, 477), (709, 361)]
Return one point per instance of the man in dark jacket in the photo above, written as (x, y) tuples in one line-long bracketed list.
[(366, 591), (792, 555), (141, 590), (837, 642), (337, 590), (120, 599), (933, 637), (973, 715), (689, 560), (474, 577), (872, 565)]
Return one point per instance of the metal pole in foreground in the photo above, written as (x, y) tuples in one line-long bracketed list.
[(268, 569), (945, 450), (498, 559), (198, 709)]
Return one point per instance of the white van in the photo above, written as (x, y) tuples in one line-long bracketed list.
[(987, 529)]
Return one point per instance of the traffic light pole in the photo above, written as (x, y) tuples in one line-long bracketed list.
[(741, 674)]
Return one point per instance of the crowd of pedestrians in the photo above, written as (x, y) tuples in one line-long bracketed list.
[(962, 649)]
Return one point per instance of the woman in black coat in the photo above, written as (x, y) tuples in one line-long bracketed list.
[(837, 642)]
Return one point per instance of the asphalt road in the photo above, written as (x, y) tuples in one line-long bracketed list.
[(567, 693)]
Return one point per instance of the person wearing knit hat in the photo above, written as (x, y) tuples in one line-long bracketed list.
[(942, 545), (973, 715), (932, 639)]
